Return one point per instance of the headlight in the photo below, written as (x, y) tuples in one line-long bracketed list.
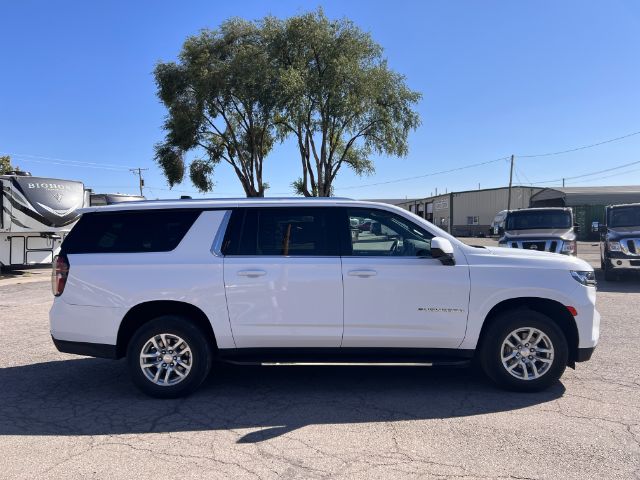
[(614, 246), (586, 278), (569, 248)]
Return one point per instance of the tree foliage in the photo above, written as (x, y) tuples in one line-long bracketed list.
[(221, 98), (235, 91), (5, 164), (339, 99)]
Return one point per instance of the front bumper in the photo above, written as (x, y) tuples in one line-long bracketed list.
[(624, 263)]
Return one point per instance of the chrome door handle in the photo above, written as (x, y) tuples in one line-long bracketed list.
[(362, 273), (251, 273)]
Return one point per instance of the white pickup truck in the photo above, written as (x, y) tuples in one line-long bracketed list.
[(174, 285)]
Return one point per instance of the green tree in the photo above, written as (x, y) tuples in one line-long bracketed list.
[(221, 100), (338, 98), (5, 164)]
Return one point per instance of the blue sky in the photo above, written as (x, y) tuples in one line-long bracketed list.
[(498, 78)]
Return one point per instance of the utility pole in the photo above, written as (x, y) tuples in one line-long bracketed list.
[(510, 182), (138, 171), (563, 182)]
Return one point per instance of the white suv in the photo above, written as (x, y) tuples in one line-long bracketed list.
[(174, 285)]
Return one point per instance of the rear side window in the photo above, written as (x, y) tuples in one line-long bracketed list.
[(295, 231), (130, 231)]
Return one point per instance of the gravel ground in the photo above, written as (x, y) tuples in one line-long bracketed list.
[(71, 417)]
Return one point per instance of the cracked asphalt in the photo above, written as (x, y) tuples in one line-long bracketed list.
[(68, 417)]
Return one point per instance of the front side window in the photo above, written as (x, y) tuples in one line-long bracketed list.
[(385, 234), (295, 231)]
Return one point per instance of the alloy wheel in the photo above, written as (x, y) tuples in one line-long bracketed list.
[(527, 353), (166, 359)]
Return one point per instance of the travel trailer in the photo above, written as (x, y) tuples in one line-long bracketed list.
[(35, 215), (101, 199)]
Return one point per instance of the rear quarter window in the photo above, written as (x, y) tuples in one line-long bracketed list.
[(129, 231)]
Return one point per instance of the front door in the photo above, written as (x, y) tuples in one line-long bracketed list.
[(395, 294), (282, 278)]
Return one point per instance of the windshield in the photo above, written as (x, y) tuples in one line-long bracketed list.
[(528, 220), (625, 217)]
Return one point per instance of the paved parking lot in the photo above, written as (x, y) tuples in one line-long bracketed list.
[(70, 417)]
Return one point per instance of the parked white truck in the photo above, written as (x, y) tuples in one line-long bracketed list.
[(35, 215)]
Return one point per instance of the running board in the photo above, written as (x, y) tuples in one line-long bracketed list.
[(362, 357), (447, 363)]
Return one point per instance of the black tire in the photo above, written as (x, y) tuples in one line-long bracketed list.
[(491, 350), (200, 357), (609, 274)]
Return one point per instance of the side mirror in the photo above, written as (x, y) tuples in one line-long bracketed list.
[(442, 249), (602, 228), (500, 231), (576, 228)]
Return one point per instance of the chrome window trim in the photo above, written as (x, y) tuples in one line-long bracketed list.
[(216, 247)]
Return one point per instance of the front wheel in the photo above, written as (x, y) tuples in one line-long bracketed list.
[(609, 274), (524, 350), (169, 357)]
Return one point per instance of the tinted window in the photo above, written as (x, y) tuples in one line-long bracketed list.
[(132, 231), (524, 220), (281, 231), (381, 233)]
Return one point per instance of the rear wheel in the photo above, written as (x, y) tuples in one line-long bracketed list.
[(524, 350), (169, 357)]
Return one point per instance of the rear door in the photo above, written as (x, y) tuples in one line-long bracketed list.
[(283, 279), (395, 294)]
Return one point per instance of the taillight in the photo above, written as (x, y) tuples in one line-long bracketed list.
[(59, 274)]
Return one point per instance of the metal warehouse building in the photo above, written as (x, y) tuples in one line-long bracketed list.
[(471, 212)]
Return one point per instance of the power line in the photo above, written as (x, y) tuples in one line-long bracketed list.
[(548, 154), (49, 162), (609, 176), (587, 174), (28, 157), (425, 175)]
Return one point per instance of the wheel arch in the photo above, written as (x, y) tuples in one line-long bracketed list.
[(553, 309), (147, 311)]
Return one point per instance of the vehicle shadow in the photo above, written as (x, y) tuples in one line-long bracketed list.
[(95, 397), (24, 272), (629, 282)]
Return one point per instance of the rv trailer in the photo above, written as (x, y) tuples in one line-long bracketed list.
[(35, 215), (102, 199)]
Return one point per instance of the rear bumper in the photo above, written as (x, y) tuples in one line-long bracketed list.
[(100, 350), (584, 354)]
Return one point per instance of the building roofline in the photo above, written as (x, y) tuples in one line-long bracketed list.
[(469, 191)]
